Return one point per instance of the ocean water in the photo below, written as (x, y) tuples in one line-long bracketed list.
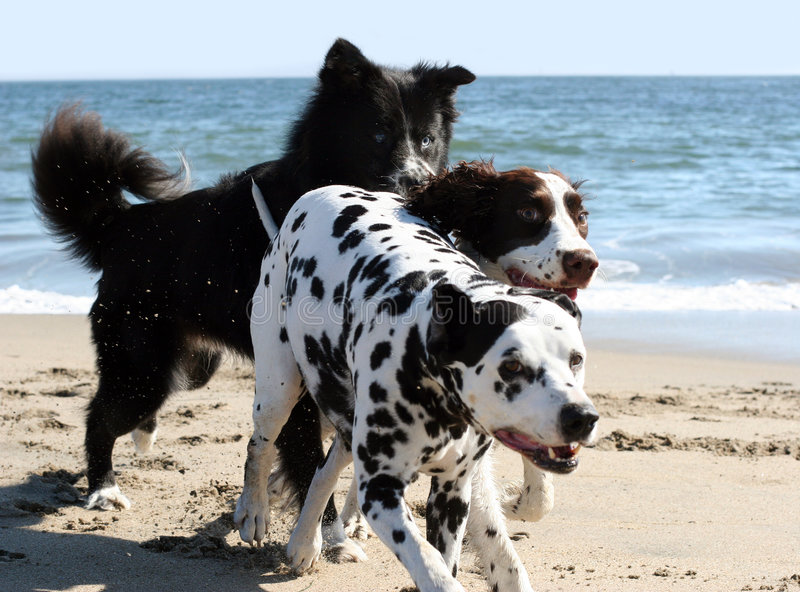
[(695, 182)]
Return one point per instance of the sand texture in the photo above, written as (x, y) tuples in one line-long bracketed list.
[(694, 484)]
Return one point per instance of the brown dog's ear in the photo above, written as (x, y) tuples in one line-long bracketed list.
[(458, 200)]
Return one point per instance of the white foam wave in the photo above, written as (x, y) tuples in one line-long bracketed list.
[(611, 269), (601, 296), (736, 296), (16, 300)]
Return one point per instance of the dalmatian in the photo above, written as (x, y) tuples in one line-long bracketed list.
[(425, 362), (523, 228)]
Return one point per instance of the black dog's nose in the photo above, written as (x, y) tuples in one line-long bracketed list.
[(406, 181), (579, 265), (577, 421)]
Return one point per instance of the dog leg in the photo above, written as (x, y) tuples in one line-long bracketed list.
[(381, 500), (300, 453), (199, 366), (487, 528), (145, 435), (129, 392), (278, 388), (355, 525), (446, 515), (531, 500), (305, 544)]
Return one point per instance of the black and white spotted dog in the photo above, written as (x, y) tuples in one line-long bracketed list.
[(419, 360), (524, 228)]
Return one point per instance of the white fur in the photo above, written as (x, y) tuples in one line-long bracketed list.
[(108, 498), (263, 211), (143, 440)]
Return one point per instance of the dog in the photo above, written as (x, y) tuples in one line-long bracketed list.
[(178, 271), (523, 228), (420, 361)]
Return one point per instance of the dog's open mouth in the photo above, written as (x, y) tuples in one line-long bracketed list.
[(558, 459), (521, 279)]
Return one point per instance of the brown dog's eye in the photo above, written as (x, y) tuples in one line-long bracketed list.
[(512, 366), (528, 214), (583, 217)]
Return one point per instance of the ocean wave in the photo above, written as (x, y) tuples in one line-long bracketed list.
[(16, 300), (736, 296), (601, 296)]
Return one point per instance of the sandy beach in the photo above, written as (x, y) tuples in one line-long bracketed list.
[(693, 484)]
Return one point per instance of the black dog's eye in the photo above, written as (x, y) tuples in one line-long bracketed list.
[(380, 138), (427, 141), (575, 361), (512, 366), (528, 214)]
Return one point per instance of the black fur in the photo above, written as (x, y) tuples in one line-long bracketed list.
[(178, 272)]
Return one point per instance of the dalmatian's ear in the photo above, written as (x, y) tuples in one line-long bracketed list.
[(562, 300), (452, 316)]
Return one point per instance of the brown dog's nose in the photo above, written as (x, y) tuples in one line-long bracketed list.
[(579, 266)]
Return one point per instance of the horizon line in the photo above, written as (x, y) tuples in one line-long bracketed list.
[(311, 77)]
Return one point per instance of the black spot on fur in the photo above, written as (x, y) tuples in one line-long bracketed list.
[(351, 241), (346, 218), (377, 393), (381, 352), (298, 221), (309, 267), (317, 288)]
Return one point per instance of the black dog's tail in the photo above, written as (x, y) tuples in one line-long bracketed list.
[(79, 171)]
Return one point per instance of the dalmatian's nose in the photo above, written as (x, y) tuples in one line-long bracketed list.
[(577, 421)]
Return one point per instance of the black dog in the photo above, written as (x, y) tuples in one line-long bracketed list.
[(178, 271)]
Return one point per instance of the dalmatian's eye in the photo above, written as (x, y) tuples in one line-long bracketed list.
[(427, 141), (575, 361), (528, 214), (512, 366)]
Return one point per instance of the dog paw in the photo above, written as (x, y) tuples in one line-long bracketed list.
[(107, 498), (531, 500), (356, 527), (303, 552), (347, 551), (251, 518), (143, 440)]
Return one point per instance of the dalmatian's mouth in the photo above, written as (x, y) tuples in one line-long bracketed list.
[(523, 280), (557, 459)]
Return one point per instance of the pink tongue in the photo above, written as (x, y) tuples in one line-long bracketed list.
[(523, 281)]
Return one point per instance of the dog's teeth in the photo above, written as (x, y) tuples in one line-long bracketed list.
[(576, 449), (551, 453)]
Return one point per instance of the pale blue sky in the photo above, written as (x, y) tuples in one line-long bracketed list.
[(106, 39)]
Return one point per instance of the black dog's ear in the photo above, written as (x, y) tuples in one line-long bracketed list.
[(345, 64), (562, 300), (453, 76), (459, 200), (452, 315)]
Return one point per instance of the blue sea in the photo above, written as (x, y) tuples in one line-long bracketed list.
[(695, 186)]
